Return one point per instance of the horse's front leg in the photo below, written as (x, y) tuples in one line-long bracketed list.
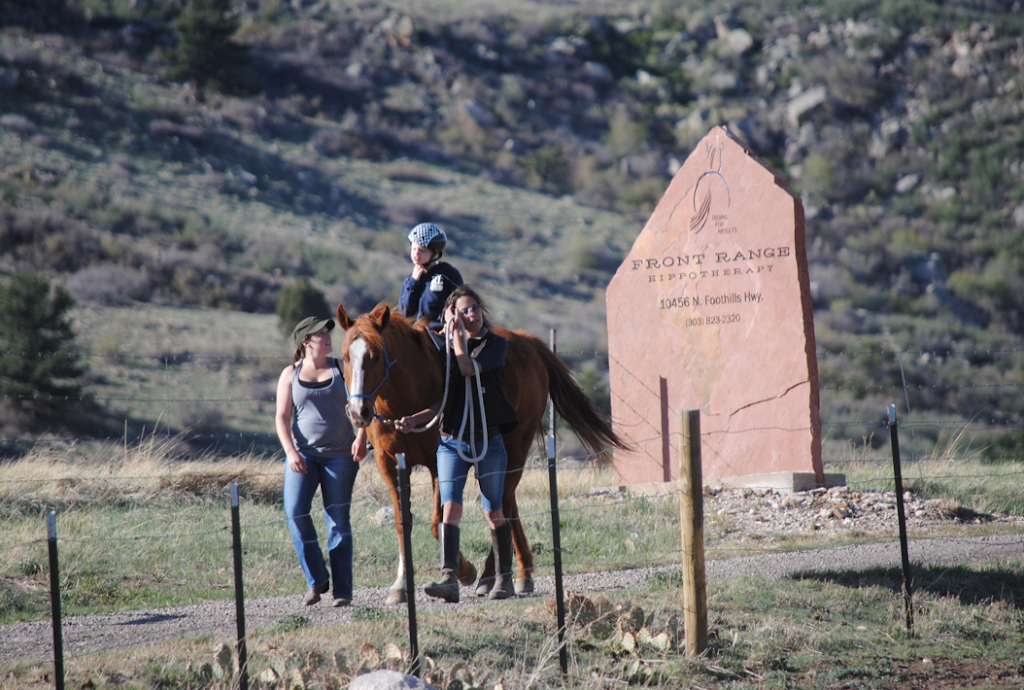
[(388, 468)]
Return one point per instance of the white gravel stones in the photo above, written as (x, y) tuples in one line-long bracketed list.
[(765, 515)]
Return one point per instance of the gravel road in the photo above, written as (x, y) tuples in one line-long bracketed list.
[(99, 632)]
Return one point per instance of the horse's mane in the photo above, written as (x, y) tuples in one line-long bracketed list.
[(365, 325)]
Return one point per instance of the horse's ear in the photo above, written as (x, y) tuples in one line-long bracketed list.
[(343, 319), (381, 315)]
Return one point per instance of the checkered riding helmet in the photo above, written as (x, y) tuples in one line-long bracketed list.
[(430, 236)]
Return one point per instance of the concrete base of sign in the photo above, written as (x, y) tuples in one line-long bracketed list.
[(778, 482)]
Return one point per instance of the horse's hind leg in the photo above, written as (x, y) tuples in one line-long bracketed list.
[(524, 578), (518, 449), (486, 581)]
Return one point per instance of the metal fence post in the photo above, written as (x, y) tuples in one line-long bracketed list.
[(236, 547), (410, 584), (556, 548), (58, 635), (556, 527), (908, 598)]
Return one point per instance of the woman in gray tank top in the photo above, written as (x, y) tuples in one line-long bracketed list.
[(321, 452)]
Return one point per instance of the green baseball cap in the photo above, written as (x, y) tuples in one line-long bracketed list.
[(308, 326)]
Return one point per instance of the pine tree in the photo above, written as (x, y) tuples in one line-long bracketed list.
[(205, 53), (296, 302), (39, 370)]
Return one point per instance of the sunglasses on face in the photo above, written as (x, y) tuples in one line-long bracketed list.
[(471, 309)]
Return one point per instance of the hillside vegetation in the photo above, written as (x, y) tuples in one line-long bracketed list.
[(540, 136)]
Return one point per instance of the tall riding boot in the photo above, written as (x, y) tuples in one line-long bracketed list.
[(501, 541), (448, 587)]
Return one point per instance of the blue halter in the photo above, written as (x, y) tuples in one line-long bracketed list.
[(387, 371)]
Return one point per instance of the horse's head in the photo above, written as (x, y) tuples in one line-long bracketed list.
[(366, 363)]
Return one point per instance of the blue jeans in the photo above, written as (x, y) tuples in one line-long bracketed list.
[(335, 477), (452, 471)]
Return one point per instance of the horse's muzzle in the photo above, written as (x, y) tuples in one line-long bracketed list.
[(360, 412)]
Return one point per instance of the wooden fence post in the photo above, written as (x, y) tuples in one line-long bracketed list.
[(691, 521)]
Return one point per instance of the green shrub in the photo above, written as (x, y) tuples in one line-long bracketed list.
[(642, 195), (549, 170), (626, 136), (296, 302), (819, 176)]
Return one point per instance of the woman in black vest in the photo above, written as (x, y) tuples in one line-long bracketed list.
[(471, 437)]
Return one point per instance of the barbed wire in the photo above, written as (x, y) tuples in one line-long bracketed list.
[(658, 557), (272, 436), (161, 358), (565, 464), (176, 378), (921, 387), (84, 398), (570, 353), (577, 557), (7, 547), (626, 496)]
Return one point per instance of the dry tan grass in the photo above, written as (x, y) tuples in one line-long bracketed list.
[(113, 474)]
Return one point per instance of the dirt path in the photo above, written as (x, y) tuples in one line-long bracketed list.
[(98, 632)]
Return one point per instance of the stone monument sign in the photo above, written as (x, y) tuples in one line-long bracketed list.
[(711, 310)]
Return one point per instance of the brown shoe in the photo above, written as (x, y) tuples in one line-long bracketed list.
[(341, 601), (313, 595)]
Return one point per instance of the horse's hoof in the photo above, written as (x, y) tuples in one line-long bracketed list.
[(396, 596), (470, 578), (524, 585), (483, 588)]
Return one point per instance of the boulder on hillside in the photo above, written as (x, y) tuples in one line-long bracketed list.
[(804, 103)]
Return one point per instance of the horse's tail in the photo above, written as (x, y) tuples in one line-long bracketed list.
[(573, 405)]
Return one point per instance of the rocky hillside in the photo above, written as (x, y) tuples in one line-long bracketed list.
[(540, 136)]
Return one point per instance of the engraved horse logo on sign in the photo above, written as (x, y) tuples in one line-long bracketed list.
[(706, 182)]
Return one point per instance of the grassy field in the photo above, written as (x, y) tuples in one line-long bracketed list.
[(201, 370), (137, 530), (846, 633)]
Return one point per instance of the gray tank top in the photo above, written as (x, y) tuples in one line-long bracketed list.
[(319, 424)]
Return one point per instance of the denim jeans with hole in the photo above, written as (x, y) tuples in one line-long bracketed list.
[(335, 477), (452, 471)]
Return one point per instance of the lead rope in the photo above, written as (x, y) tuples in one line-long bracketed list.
[(468, 413), (447, 376)]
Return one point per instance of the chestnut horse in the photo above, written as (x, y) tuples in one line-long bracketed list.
[(393, 369)]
